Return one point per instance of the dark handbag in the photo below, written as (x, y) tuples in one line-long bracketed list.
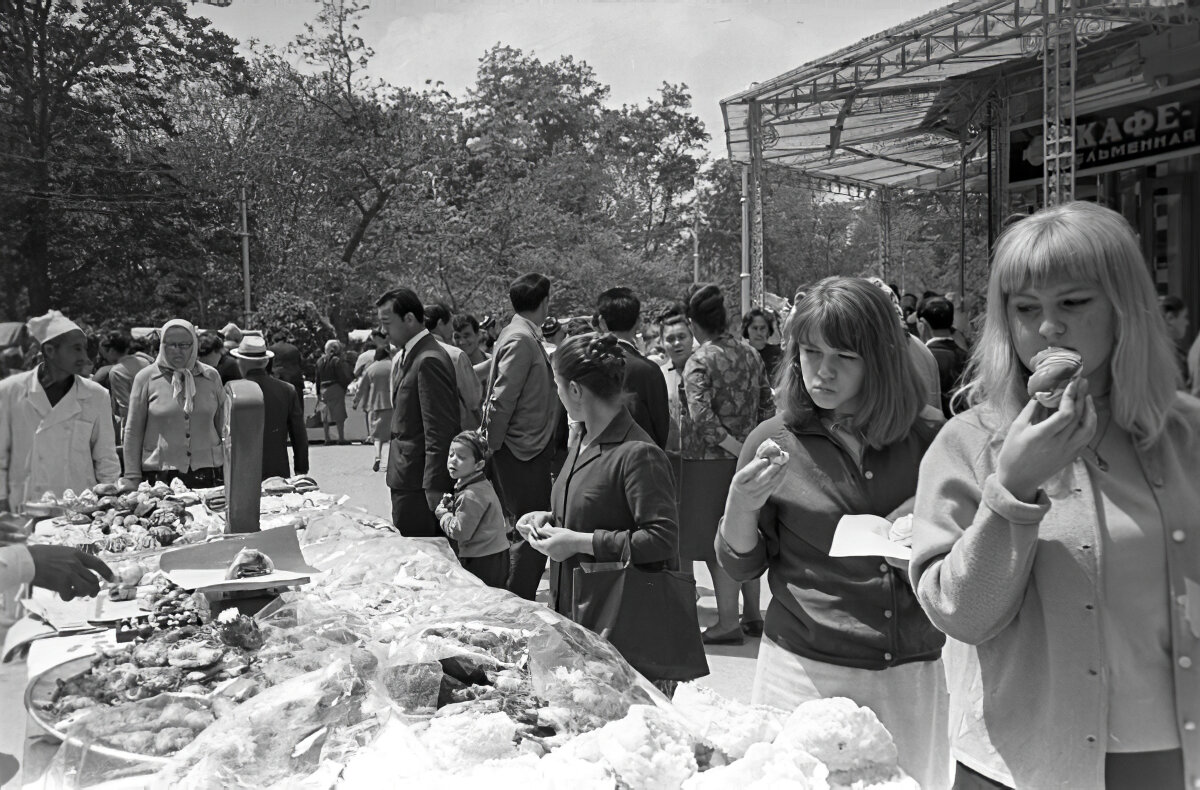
[(648, 616)]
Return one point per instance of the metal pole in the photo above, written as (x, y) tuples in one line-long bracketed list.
[(745, 278), (696, 243), (245, 234), (962, 225), (757, 275)]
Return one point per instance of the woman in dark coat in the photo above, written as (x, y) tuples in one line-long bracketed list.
[(615, 490), (333, 377)]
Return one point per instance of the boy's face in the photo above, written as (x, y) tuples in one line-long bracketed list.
[(460, 461)]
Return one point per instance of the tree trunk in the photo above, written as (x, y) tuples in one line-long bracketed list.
[(37, 256)]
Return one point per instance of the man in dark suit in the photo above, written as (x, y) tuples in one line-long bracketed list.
[(518, 420), (424, 415), (283, 416), (620, 312)]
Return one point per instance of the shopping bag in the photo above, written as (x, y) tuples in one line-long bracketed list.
[(648, 616), (315, 420)]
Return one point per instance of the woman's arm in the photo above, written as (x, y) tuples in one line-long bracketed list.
[(974, 543), (650, 494), (741, 550)]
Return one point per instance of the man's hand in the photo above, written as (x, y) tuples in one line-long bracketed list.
[(433, 498), (67, 571)]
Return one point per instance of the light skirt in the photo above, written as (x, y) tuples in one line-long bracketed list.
[(910, 700)]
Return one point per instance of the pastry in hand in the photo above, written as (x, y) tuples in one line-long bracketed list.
[(901, 530), (771, 450), (249, 563), (1053, 369)]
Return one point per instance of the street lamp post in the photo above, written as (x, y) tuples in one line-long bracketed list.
[(245, 234)]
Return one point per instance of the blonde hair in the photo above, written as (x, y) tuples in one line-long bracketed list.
[(1087, 243), (852, 314)]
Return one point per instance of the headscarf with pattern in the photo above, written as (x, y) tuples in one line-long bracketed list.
[(183, 378)]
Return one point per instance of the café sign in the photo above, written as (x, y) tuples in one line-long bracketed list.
[(1115, 138)]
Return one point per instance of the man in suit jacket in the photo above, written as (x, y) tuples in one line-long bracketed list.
[(620, 312), (517, 420), (424, 415), (283, 416)]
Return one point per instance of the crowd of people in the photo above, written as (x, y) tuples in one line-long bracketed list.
[(1047, 629)]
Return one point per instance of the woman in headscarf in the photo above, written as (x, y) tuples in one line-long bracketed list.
[(333, 376), (176, 415)]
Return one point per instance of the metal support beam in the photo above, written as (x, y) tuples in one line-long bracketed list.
[(756, 209), (885, 233), (1058, 101)]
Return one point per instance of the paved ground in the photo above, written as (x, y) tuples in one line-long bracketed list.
[(347, 470)]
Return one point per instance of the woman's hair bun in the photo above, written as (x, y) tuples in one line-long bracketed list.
[(706, 306), (605, 348)]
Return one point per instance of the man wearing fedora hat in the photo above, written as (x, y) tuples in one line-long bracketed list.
[(56, 425), (283, 416)]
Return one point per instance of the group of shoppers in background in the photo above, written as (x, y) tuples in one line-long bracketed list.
[(1046, 632)]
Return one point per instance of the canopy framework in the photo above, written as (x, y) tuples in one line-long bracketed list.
[(911, 107)]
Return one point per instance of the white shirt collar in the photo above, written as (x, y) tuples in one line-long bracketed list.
[(412, 341)]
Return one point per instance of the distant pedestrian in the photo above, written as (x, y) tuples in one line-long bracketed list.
[(56, 426), (375, 398), (757, 327), (286, 366), (472, 516), (517, 420), (937, 314), (333, 377), (283, 416), (439, 322), (620, 312)]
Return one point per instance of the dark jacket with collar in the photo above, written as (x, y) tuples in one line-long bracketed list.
[(619, 489), (424, 419), (647, 390), (850, 611), (283, 417)]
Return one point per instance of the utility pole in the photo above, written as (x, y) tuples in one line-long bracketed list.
[(245, 234), (745, 276), (696, 242)]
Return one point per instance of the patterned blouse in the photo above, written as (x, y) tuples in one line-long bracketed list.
[(728, 394)]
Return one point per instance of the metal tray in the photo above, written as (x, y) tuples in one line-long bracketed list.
[(40, 690)]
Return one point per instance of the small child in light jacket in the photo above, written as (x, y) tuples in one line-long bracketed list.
[(472, 515)]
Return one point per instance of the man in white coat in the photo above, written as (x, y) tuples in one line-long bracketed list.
[(56, 426)]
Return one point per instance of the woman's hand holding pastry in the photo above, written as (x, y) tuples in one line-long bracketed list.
[(560, 544), (531, 524), (1034, 452), (755, 482)]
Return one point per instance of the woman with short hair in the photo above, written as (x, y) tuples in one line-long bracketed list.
[(176, 415), (757, 327), (333, 376), (728, 393), (374, 396), (852, 429), (1058, 547)]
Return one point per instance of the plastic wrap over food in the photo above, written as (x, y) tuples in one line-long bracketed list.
[(410, 563), (307, 634), (285, 734), (343, 523)]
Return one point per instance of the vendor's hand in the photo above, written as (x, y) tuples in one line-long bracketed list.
[(1034, 452), (432, 498), (532, 524), (753, 485), (561, 544), (12, 529), (67, 571)]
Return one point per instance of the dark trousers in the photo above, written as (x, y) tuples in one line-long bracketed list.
[(208, 477), (411, 514), (491, 569), (523, 487), (1122, 771)]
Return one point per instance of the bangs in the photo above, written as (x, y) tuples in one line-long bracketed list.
[(1040, 251), (830, 322)]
